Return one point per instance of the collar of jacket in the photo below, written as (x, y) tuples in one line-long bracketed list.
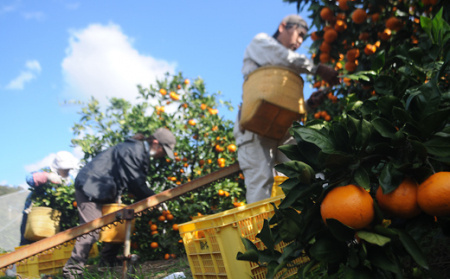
[(146, 146)]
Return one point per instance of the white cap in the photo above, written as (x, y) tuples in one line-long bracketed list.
[(64, 160)]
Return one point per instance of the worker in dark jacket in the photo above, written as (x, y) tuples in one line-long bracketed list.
[(103, 180)]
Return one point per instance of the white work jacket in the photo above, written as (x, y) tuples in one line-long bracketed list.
[(266, 50)]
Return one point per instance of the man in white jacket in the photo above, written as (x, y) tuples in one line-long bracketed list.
[(257, 155)]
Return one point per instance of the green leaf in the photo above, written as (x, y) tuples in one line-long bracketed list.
[(413, 249), (266, 236), (360, 130), (438, 146), (415, 54), (434, 121), (309, 153), (390, 178), (336, 160), (408, 242), (385, 85), (327, 250), (387, 103), (297, 169), (361, 177), (373, 238), (251, 253), (420, 150), (289, 229), (423, 101), (384, 260), (384, 127), (305, 269), (317, 138), (402, 115), (272, 269), (339, 136), (290, 150), (296, 195), (425, 23), (340, 231), (378, 61), (361, 75), (358, 273)]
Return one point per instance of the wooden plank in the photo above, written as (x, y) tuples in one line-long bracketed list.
[(72, 233)]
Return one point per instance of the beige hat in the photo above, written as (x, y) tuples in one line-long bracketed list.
[(295, 19), (166, 139)]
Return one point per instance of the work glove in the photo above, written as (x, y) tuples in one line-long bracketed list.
[(162, 207), (328, 74), (54, 178)]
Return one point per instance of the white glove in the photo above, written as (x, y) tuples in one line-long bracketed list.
[(162, 207), (54, 178)]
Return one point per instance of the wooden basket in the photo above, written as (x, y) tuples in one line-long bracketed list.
[(272, 100), (42, 222), (115, 233)]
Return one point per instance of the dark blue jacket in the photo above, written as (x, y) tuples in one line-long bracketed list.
[(105, 177)]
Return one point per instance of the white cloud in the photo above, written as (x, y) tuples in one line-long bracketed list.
[(9, 8), (45, 162), (33, 65), (73, 6), (32, 69), (102, 62), (34, 15)]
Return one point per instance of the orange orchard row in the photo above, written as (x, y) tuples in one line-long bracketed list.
[(337, 23)]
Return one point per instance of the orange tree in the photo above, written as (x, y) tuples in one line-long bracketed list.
[(390, 122), (57, 196), (204, 144)]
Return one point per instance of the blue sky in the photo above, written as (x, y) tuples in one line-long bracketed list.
[(52, 51)]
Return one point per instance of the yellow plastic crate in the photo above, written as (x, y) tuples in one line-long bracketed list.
[(2, 272), (50, 262), (276, 189), (212, 242)]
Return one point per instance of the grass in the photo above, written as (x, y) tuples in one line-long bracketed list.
[(143, 270)]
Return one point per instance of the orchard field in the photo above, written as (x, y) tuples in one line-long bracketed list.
[(368, 194)]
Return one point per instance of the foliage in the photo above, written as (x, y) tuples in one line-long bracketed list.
[(391, 121), (60, 197), (188, 110)]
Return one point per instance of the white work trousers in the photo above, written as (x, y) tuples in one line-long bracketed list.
[(257, 157)]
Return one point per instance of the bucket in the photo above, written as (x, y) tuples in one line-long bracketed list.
[(272, 99), (276, 189), (42, 222), (116, 233)]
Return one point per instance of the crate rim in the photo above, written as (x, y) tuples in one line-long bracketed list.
[(236, 210)]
